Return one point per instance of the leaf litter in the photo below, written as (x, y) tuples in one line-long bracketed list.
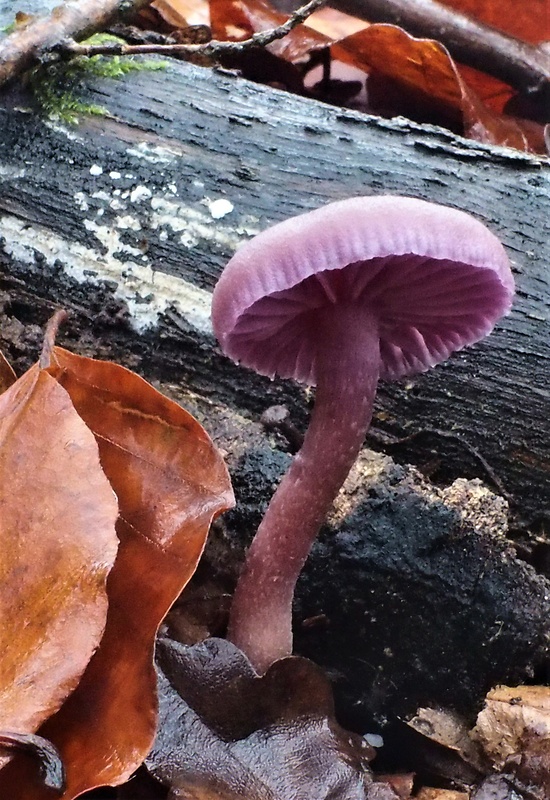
[(99, 708), (380, 68)]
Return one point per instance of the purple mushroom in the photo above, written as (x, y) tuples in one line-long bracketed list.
[(361, 289)]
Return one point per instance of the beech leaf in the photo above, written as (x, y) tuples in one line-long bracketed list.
[(514, 728), (57, 528), (240, 19), (528, 21), (425, 68), (170, 481), (511, 714), (227, 734)]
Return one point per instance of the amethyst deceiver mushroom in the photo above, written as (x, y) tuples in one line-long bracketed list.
[(361, 289)]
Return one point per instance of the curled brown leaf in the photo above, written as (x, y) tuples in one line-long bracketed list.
[(170, 482), (57, 526)]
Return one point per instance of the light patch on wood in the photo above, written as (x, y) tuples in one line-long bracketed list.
[(10, 172), (153, 154), (219, 208), (195, 225), (146, 292), (112, 256)]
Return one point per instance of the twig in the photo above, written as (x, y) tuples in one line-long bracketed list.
[(28, 46), (277, 418), (456, 437), (50, 335), (213, 49), (521, 65)]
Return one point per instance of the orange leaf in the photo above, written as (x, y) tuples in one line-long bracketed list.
[(181, 13), (334, 24), (57, 526), (171, 482), (528, 21), (424, 68), (239, 19), (422, 65)]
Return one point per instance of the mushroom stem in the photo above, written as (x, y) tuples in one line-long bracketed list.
[(346, 372)]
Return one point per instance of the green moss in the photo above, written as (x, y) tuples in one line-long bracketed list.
[(56, 87)]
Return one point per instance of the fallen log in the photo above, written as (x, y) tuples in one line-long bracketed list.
[(156, 197)]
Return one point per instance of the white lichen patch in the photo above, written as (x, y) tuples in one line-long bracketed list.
[(65, 130), (154, 154), (112, 254), (11, 172), (101, 195), (146, 292), (219, 208), (140, 193), (110, 239), (81, 201), (194, 224), (128, 223)]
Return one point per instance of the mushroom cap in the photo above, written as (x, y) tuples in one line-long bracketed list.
[(436, 278)]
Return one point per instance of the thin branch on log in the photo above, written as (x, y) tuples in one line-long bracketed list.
[(213, 49), (522, 65), (28, 46)]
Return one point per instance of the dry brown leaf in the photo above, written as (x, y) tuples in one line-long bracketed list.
[(180, 13), (429, 793), (528, 21), (510, 717), (171, 13), (334, 24), (57, 526), (427, 73), (422, 65), (236, 20), (7, 375), (170, 481)]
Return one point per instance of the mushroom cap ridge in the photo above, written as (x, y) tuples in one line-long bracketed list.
[(436, 278)]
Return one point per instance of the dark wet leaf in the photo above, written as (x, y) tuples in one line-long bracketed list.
[(227, 734), (49, 761)]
